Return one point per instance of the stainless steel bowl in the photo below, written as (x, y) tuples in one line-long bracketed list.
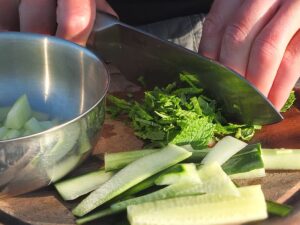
[(67, 82)]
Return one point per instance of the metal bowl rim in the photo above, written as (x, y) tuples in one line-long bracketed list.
[(70, 44)]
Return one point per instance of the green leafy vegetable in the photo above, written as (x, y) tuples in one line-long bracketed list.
[(289, 102), (179, 113)]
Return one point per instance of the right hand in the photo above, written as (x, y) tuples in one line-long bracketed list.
[(72, 20)]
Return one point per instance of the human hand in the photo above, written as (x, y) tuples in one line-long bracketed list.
[(69, 19), (258, 39)]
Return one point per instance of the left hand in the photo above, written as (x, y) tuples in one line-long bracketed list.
[(258, 39)]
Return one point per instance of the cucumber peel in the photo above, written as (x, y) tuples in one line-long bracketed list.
[(202, 209), (131, 175), (73, 188)]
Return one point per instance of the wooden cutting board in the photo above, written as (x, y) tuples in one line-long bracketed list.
[(45, 207)]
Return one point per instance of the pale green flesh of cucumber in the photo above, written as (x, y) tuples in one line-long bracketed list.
[(11, 133), (188, 172), (256, 173), (65, 143), (183, 188), (203, 209), (33, 125), (215, 180), (131, 175), (47, 124), (64, 166), (223, 150), (3, 131), (281, 159), (18, 114), (116, 161), (40, 116), (3, 113), (75, 187)]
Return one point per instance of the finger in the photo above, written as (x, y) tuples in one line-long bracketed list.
[(75, 19), (214, 25), (268, 49), (288, 73), (239, 34), (9, 15), (103, 6), (38, 16)]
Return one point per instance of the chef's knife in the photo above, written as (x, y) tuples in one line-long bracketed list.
[(137, 53)]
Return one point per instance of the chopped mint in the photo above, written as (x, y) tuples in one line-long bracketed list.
[(289, 102), (180, 113)]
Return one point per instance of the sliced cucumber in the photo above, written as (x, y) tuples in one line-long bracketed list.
[(246, 160), (215, 180), (63, 167), (202, 209), (18, 114), (84, 141), (3, 113), (3, 131), (64, 141), (94, 216), (256, 173), (281, 159), (187, 171), (40, 116), (75, 187), (223, 150), (182, 188), (116, 161), (131, 175), (33, 125), (11, 133)]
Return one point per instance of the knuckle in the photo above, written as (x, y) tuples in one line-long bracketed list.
[(234, 34), (212, 25), (265, 47)]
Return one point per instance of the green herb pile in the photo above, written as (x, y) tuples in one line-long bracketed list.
[(180, 113)]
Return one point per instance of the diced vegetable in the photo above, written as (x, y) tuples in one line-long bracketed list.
[(246, 160), (75, 187), (215, 180), (18, 114), (131, 175), (40, 116), (64, 143), (223, 150), (281, 159), (277, 209), (61, 168), (202, 209), (184, 172), (3, 131), (33, 125), (97, 215), (116, 161), (11, 133), (256, 173), (3, 113)]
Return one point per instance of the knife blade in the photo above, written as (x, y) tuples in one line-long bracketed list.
[(137, 53)]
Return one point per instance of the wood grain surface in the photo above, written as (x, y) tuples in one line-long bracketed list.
[(45, 207)]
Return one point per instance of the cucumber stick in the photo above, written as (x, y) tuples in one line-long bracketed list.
[(202, 209), (281, 159), (215, 180), (75, 187), (223, 150), (131, 175), (18, 114), (118, 160), (182, 188), (187, 171)]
